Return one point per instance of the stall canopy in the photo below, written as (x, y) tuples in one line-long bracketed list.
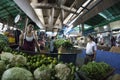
[(55, 13), (109, 15)]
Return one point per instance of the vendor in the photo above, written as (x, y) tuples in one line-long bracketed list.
[(28, 40), (90, 50)]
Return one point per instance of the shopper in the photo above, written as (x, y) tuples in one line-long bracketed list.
[(113, 41), (28, 40), (17, 34), (52, 45), (90, 50), (42, 44)]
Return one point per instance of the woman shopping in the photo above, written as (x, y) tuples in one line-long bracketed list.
[(28, 40)]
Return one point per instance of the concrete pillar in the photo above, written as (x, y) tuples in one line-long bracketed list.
[(52, 16), (82, 29), (109, 28), (62, 16)]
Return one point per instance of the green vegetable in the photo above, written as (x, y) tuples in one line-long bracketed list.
[(67, 44), (7, 49), (6, 56), (43, 73), (18, 60), (2, 67), (16, 73), (62, 71), (58, 43), (3, 42), (96, 71)]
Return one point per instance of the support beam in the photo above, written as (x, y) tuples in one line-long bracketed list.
[(104, 4), (52, 16), (85, 7), (62, 16), (64, 12), (49, 6), (28, 10), (74, 16), (39, 12), (82, 29)]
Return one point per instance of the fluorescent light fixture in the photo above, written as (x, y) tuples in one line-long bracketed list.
[(115, 32), (86, 26), (11, 28), (14, 28), (75, 19), (40, 15), (105, 27), (68, 17), (78, 11), (86, 3), (42, 30), (101, 14)]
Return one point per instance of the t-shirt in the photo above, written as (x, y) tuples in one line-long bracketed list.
[(90, 47)]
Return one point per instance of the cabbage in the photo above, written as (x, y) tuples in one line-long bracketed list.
[(17, 73), (2, 67), (62, 71), (43, 73), (18, 60), (6, 56)]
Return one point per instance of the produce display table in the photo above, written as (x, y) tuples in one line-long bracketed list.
[(65, 58), (13, 46)]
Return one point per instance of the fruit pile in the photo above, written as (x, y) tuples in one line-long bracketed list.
[(35, 61)]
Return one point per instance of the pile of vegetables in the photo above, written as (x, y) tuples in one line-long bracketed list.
[(59, 42), (16, 65), (45, 73), (46, 68), (3, 42), (62, 71), (67, 44), (40, 66), (16, 73), (64, 43), (96, 71), (2, 67), (33, 61)]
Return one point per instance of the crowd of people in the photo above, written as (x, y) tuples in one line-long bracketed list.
[(29, 40), (108, 41)]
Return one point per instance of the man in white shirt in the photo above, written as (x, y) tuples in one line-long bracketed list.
[(90, 50)]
